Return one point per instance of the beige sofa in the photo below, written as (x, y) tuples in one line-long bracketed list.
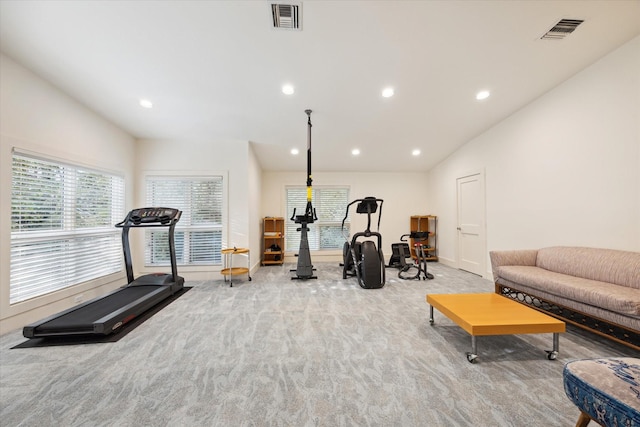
[(596, 289)]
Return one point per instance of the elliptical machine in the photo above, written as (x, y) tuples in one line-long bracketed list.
[(363, 259)]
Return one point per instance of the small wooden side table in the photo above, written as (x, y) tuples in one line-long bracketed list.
[(229, 269)]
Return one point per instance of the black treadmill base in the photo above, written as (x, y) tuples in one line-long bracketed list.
[(97, 339), (103, 315)]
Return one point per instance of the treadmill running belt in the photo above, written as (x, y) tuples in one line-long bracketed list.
[(84, 317)]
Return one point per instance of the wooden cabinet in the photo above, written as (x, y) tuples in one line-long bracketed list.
[(273, 240), (425, 223)]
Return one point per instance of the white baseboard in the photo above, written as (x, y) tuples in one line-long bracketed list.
[(488, 275)]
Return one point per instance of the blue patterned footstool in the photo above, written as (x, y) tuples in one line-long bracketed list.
[(606, 391)]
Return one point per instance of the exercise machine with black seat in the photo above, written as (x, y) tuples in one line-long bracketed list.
[(362, 258), (416, 269), (106, 314), (399, 253)]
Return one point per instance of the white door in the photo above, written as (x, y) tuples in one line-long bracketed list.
[(471, 229)]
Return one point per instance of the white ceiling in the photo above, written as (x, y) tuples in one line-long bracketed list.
[(214, 69)]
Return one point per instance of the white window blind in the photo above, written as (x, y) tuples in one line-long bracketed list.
[(62, 226), (330, 204), (198, 234)]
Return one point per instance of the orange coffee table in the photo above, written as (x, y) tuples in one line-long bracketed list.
[(492, 314)]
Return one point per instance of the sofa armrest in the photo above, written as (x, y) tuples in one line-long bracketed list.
[(514, 257)]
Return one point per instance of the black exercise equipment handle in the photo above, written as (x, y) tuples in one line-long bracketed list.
[(416, 235), (308, 218), (162, 217), (158, 217), (368, 199)]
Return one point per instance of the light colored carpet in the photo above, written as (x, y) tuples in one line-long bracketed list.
[(278, 352)]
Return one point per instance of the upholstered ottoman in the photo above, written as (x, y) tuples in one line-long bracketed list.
[(606, 391)]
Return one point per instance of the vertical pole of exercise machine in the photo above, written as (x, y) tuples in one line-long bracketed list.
[(309, 208), (126, 250), (172, 247)]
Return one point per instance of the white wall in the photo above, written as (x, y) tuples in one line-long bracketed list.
[(230, 158), (254, 197), (404, 194), (37, 117), (564, 170)]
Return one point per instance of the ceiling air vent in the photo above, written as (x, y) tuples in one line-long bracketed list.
[(562, 29), (286, 16)]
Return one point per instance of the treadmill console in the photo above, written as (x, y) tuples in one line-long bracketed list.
[(151, 216)]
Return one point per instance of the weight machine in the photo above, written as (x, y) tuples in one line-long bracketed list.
[(304, 269)]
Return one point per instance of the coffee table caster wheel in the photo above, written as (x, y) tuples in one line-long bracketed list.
[(552, 355), (431, 321), (472, 357)]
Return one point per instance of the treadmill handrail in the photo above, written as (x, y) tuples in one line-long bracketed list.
[(137, 222)]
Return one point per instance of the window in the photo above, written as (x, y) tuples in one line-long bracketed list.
[(198, 234), (330, 204), (62, 226)]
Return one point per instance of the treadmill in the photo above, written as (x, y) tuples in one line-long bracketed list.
[(105, 314)]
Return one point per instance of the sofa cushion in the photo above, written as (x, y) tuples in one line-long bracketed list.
[(631, 323), (603, 265), (620, 299)]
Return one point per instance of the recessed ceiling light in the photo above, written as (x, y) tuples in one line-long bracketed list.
[(387, 92), (288, 89), (146, 103), (415, 152), (355, 152), (295, 151), (483, 94)]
